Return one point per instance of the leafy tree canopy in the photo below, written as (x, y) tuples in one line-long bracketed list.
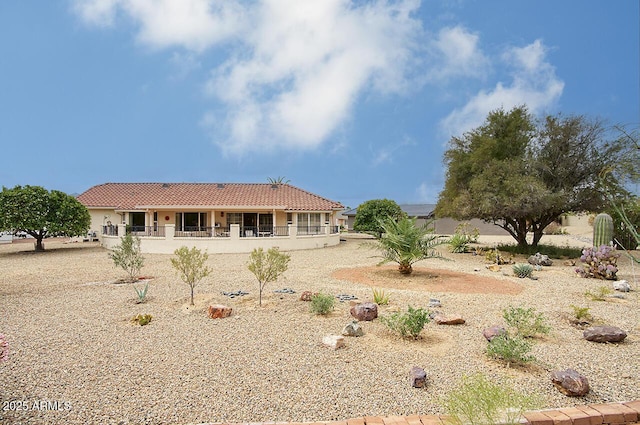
[(39, 213), (371, 212), (522, 174)]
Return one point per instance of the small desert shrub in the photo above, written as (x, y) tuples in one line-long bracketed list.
[(141, 293), (523, 270), (599, 263), (322, 304), (462, 237), (128, 256), (478, 401), (510, 349), (408, 324), (526, 321), (496, 257), (552, 251), (581, 313), (142, 319), (380, 297), (600, 294)]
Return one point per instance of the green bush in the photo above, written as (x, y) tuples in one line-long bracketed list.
[(551, 251), (462, 237), (523, 270), (322, 304), (526, 321), (408, 324), (142, 319), (510, 349), (600, 294), (478, 401), (581, 313), (128, 256), (380, 297)]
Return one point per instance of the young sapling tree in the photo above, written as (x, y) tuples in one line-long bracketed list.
[(128, 256), (191, 265), (267, 267)]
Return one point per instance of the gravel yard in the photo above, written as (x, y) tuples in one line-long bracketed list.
[(75, 357)]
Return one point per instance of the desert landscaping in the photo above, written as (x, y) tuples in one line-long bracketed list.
[(72, 343)]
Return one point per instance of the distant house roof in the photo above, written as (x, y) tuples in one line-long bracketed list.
[(412, 210), (132, 196)]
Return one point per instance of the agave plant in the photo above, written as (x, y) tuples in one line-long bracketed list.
[(405, 243)]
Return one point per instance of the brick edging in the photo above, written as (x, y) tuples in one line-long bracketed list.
[(625, 413)]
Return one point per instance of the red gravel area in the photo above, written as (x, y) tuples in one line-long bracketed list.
[(428, 280)]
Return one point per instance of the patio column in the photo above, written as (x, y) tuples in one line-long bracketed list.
[(169, 231), (234, 231), (293, 231)]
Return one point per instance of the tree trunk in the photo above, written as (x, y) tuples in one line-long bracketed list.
[(537, 235), (405, 268), (39, 244), (192, 294)]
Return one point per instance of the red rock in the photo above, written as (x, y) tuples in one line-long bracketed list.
[(365, 312), (570, 383), (449, 320), (219, 311)]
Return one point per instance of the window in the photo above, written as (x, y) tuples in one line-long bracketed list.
[(136, 221), (191, 221), (309, 223), (234, 218)]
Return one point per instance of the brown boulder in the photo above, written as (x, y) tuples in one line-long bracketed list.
[(493, 331), (219, 311), (365, 312), (570, 383), (307, 295), (604, 334), (448, 320), (417, 377)]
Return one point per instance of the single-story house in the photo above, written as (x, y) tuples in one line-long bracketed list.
[(218, 217), (442, 226)]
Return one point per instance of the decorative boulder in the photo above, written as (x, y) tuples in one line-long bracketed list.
[(493, 331), (622, 286), (333, 341), (417, 377), (365, 312), (540, 260), (448, 320), (604, 334), (219, 311), (353, 329), (306, 295), (570, 383), (434, 303)]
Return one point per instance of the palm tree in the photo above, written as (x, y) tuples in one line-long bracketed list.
[(405, 243)]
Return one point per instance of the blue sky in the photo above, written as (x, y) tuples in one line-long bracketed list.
[(353, 100)]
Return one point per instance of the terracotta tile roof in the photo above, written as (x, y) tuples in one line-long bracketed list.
[(131, 196)]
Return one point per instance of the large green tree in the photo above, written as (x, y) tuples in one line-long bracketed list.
[(371, 212), (39, 212), (522, 174)]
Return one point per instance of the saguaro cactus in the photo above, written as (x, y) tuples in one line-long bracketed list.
[(602, 230)]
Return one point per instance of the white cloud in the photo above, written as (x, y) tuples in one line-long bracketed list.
[(307, 64), (534, 83), (193, 24), (297, 67), (456, 53)]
